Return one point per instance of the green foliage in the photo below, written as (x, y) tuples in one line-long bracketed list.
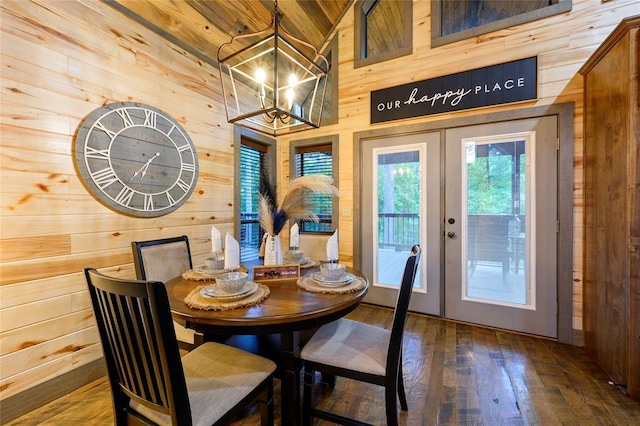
[(399, 187), (489, 185)]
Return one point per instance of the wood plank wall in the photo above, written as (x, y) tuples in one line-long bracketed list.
[(562, 43), (62, 59)]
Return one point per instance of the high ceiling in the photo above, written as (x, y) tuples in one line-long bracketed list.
[(201, 26)]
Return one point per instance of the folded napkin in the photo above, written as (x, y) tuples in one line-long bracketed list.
[(332, 246), (216, 240), (294, 236), (231, 252)]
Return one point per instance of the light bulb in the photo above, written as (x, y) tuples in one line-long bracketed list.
[(260, 75), (290, 95)]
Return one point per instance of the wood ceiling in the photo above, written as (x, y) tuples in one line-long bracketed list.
[(201, 26)]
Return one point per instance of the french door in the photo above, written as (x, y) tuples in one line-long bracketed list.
[(501, 225), (483, 200), (400, 209)]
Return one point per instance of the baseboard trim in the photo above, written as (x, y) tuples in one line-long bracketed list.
[(37, 396), (578, 338)]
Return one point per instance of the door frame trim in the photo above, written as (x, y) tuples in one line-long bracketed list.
[(564, 113)]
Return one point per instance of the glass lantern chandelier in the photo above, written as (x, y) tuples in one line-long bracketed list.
[(272, 82)]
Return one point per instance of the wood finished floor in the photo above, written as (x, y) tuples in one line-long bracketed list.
[(455, 374)]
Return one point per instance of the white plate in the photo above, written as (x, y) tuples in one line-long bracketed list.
[(213, 292), (301, 261), (304, 263), (325, 282), (310, 263)]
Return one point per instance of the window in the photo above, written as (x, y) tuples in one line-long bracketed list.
[(316, 156), (251, 164), (255, 154), (383, 30), (454, 20)]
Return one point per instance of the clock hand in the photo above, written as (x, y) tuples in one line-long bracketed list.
[(144, 167)]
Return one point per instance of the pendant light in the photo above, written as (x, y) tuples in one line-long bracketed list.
[(272, 82)]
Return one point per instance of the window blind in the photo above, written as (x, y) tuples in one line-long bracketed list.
[(251, 163), (310, 160)]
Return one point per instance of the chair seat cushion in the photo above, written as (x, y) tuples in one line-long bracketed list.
[(218, 377), (349, 344)]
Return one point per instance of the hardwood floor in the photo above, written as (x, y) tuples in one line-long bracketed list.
[(455, 374)]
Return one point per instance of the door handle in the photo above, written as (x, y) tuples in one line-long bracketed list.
[(451, 234)]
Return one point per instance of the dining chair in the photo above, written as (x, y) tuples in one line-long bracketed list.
[(362, 352), (162, 260), (150, 382), (314, 245)]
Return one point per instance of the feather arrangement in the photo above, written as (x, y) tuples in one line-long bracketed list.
[(295, 204)]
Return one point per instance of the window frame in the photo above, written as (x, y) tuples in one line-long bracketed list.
[(360, 36), (240, 133), (436, 20), (331, 116), (332, 140)]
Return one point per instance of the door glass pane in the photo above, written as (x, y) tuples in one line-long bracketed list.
[(496, 183), (399, 202)]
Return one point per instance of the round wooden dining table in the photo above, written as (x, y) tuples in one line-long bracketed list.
[(287, 311)]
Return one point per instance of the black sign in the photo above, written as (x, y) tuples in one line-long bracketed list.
[(498, 84)]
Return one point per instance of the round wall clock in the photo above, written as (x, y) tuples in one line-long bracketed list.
[(136, 159)]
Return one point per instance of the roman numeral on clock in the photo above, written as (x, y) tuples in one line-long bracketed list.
[(105, 177)]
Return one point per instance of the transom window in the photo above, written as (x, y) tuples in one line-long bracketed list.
[(383, 30), (454, 20)]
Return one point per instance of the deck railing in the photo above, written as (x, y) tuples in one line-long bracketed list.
[(399, 231)]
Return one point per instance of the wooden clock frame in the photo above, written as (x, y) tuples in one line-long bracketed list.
[(136, 159)]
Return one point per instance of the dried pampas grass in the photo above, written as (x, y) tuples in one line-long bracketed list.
[(295, 204)]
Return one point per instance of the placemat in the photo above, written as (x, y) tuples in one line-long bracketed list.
[(196, 301), (309, 284)]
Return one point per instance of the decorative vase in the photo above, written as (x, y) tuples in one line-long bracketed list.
[(273, 250)]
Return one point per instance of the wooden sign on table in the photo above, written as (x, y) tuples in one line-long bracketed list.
[(276, 272)]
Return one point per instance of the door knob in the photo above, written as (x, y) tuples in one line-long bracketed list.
[(451, 234)]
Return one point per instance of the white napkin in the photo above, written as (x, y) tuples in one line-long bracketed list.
[(332, 246), (216, 240), (231, 252), (294, 236)]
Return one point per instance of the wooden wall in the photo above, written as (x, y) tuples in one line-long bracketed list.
[(562, 43), (62, 59)]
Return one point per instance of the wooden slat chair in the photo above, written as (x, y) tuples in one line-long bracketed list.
[(162, 260), (150, 382), (363, 352)]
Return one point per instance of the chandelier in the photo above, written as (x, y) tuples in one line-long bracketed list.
[(272, 82)]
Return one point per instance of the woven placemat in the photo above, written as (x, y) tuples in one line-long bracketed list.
[(309, 284), (197, 301)]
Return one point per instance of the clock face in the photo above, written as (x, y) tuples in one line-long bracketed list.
[(136, 159)]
